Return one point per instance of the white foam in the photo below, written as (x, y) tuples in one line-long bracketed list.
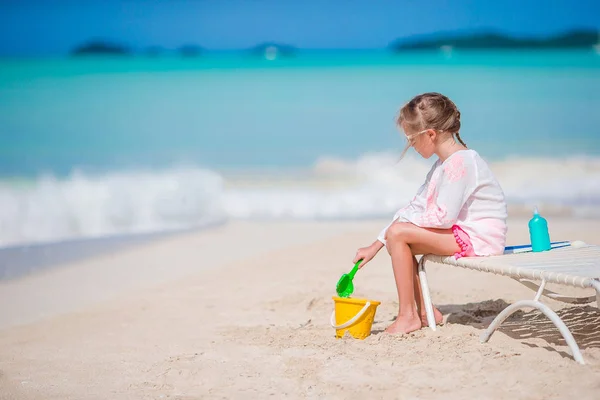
[(374, 185), (572, 182), (377, 185), (90, 206)]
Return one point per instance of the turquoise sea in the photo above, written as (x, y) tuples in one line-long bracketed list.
[(102, 146)]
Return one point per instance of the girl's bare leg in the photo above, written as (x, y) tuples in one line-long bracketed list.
[(408, 318), (404, 240)]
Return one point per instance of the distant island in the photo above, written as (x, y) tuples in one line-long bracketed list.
[(492, 40), (272, 51), (100, 48), (576, 39), (106, 48)]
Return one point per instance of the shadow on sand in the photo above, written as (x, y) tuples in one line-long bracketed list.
[(583, 322)]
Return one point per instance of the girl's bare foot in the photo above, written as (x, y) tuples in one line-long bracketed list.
[(404, 324), (439, 318)]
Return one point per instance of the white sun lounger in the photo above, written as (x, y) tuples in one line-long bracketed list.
[(567, 263)]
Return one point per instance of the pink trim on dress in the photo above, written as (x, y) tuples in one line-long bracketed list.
[(464, 242), (455, 168), (434, 214)]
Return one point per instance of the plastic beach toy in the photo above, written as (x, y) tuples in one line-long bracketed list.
[(345, 287), (354, 316)]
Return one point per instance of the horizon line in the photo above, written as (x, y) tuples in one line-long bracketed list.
[(132, 50)]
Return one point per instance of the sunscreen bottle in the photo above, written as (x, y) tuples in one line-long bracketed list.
[(538, 232)]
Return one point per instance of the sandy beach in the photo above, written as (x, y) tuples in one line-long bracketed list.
[(242, 311)]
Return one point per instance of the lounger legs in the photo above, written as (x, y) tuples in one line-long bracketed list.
[(596, 285), (508, 311), (426, 295), (556, 296)]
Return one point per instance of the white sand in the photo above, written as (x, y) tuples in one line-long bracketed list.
[(156, 322)]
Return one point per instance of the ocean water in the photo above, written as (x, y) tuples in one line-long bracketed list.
[(97, 147)]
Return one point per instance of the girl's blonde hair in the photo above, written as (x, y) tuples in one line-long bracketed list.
[(430, 111)]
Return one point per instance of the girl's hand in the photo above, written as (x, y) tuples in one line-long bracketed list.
[(367, 253)]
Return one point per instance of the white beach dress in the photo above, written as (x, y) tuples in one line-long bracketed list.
[(463, 192)]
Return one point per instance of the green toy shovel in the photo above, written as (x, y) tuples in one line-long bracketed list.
[(345, 287)]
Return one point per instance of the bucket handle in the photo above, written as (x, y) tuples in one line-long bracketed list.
[(352, 320)]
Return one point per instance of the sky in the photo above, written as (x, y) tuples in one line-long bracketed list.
[(44, 27)]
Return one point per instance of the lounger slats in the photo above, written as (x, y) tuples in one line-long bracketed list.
[(573, 266)]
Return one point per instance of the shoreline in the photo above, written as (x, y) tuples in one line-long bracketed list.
[(371, 186), (112, 271), (21, 260), (78, 283)]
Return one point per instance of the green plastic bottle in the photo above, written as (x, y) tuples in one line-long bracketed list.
[(538, 232)]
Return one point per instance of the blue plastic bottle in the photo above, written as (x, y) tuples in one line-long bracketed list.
[(538, 232)]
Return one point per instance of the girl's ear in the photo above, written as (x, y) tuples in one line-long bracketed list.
[(432, 134)]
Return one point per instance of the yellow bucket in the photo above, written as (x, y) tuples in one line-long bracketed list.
[(353, 315)]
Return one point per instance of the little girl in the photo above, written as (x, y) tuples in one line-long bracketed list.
[(459, 211)]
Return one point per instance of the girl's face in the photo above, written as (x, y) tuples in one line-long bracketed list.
[(423, 142)]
